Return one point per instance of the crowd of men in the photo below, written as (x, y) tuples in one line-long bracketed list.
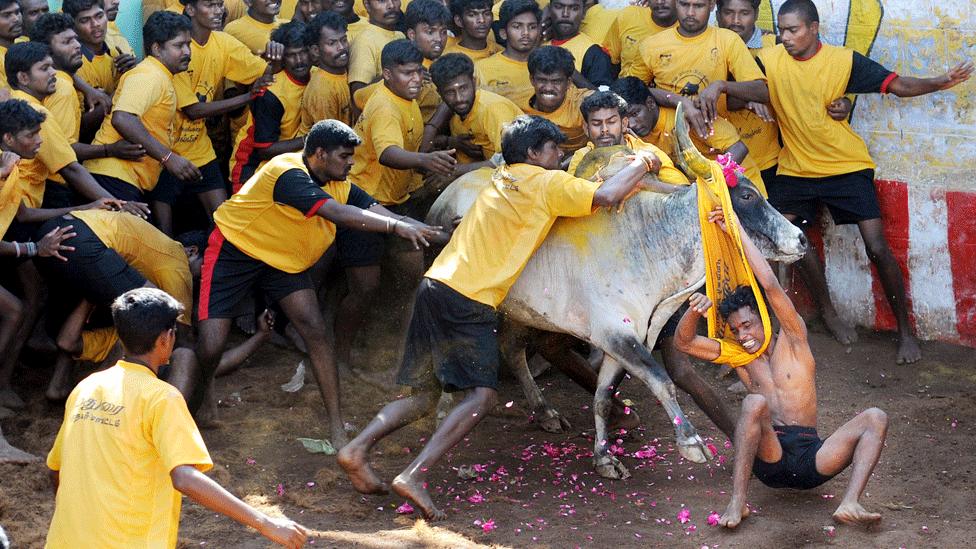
[(253, 137)]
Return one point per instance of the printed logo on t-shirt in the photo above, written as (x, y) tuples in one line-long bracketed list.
[(97, 411)]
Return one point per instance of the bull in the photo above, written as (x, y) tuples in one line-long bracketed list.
[(614, 278)]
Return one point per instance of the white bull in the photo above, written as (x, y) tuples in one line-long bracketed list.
[(613, 279)]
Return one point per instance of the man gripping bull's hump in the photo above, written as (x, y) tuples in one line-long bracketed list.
[(452, 340)]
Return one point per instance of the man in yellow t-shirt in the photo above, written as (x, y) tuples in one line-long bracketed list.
[(114, 39), (11, 28), (550, 71), (452, 342), (823, 162), (31, 11), (365, 51), (632, 25), (592, 60), (128, 438), (294, 196), (479, 116), (507, 73), (144, 111), (254, 29), (306, 10), (102, 64), (347, 9), (215, 56), (327, 95), (276, 114), (597, 21), (473, 18)]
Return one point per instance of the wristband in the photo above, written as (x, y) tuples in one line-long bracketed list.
[(167, 157), (17, 247), (31, 249)]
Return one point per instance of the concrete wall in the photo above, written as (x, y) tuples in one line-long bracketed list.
[(925, 149)]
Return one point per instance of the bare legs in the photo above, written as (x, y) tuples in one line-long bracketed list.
[(858, 442), (363, 283), (686, 378), (30, 282), (754, 437)]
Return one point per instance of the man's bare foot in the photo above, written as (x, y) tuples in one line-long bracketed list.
[(734, 514), (908, 350), (10, 399), (408, 488), (843, 332), (60, 386), (9, 454), (339, 437), (353, 461), (206, 416), (855, 515)]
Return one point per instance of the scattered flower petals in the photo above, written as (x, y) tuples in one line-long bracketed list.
[(250, 461), (476, 497), (684, 515), (713, 519), (404, 509), (509, 403), (280, 490)]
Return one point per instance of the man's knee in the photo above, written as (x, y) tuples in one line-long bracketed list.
[(754, 405), (486, 396), (877, 248), (877, 419)]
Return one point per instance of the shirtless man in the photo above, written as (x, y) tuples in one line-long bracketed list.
[(776, 435)]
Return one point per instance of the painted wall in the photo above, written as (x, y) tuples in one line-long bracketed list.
[(925, 149)]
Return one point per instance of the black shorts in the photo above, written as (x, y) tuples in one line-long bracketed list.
[(57, 196), (850, 197), (120, 189), (229, 276), (169, 188), (366, 249), (769, 176), (798, 466), (452, 342), (92, 270)]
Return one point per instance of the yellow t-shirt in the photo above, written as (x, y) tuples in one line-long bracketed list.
[(64, 106), (814, 144), (632, 25), (484, 124), (684, 65), (506, 77), (668, 173), (428, 100), (146, 249), (577, 45), (274, 116), (222, 57), (97, 344), (263, 226), (364, 53), (567, 117), (326, 98), (98, 69), (146, 91), (253, 33), (597, 22), (124, 431), (354, 29), (3, 70), (235, 9), (453, 46), (504, 227), (287, 10), (388, 120), (11, 196), (55, 153), (116, 41), (762, 138)]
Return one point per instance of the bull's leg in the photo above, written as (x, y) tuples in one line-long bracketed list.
[(638, 362), (511, 343), (605, 463)]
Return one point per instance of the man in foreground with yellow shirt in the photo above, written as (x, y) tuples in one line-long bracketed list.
[(128, 437), (452, 343), (823, 162)]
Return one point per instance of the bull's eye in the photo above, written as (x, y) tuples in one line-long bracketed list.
[(746, 196)]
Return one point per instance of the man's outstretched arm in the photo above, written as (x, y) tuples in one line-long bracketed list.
[(908, 86)]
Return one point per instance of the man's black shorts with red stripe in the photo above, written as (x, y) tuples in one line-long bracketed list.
[(229, 276)]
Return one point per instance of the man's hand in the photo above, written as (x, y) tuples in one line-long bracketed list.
[(182, 168), (96, 98), (763, 111), (51, 245), (273, 52), (7, 162), (699, 303), (113, 204), (441, 162), (124, 62), (138, 209), (265, 323), (839, 109), (125, 150), (284, 532), (416, 232), (464, 144), (708, 100), (261, 84), (697, 120), (957, 75), (717, 216)]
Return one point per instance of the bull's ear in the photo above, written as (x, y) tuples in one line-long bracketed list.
[(690, 159)]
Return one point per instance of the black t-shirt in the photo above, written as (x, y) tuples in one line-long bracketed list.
[(597, 67), (867, 76), (302, 191)]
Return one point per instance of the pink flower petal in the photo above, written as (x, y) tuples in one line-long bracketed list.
[(404, 509), (713, 518), (684, 515), (280, 490)]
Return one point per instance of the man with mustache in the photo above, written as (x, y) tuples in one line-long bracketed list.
[(507, 73), (592, 61), (275, 115), (365, 52), (633, 25), (472, 18), (327, 94), (144, 112), (255, 28), (114, 39), (11, 27), (215, 57), (555, 99)]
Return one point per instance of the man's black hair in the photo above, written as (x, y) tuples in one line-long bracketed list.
[(16, 116), (49, 25), (719, 4), (741, 297), (527, 132), (450, 66), (163, 26), (142, 315), (323, 20), (806, 9), (291, 35), (513, 8), (431, 12), (74, 7), (196, 238), (631, 90), (400, 52), (330, 135), (22, 56), (550, 60), (602, 100), (458, 7)]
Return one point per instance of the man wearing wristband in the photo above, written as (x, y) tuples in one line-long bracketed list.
[(294, 195)]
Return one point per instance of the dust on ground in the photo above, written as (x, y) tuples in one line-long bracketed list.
[(538, 489)]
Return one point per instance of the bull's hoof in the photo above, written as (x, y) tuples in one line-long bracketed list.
[(551, 422), (610, 467), (694, 449)]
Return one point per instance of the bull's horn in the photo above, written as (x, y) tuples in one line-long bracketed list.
[(689, 157)]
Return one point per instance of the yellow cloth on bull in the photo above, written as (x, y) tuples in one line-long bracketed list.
[(726, 267)]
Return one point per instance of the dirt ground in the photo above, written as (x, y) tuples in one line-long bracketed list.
[(538, 489)]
